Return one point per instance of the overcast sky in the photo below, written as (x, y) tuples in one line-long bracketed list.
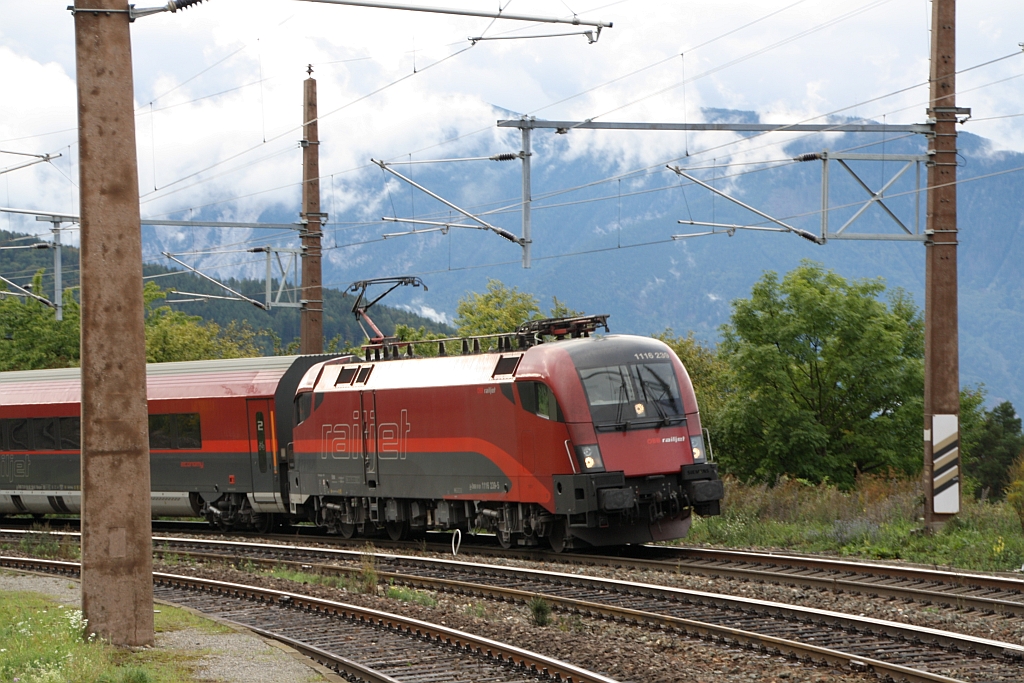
[(219, 86)]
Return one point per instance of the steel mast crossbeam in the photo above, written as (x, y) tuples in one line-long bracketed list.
[(875, 198), (566, 126)]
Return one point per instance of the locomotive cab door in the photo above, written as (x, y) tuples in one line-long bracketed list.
[(368, 420), (261, 454)]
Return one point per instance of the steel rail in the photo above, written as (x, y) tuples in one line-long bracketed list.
[(612, 586), (504, 653), (849, 624), (287, 554), (689, 627), (833, 574)]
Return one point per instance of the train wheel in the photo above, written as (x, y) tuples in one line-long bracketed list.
[(556, 537), (505, 539), (346, 530), (264, 523), (397, 531), (224, 525)]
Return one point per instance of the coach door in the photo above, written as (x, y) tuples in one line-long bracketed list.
[(261, 449), (368, 419)]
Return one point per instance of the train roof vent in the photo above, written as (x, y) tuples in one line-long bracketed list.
[(364, 374), (347, 374), (506, 365)]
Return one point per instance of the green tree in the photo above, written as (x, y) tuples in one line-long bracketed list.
[(502, 309), (828, 379), (998, 442), (708, 372), (499, 309), (31, 338), (176, 336)]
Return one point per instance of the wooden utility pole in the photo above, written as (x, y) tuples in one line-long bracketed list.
[(942, 473), (312, 322), (117, 553)]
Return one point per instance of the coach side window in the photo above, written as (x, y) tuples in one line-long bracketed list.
[(18, 435), (44, 433), (189, 435), (71, 433), (176, 431)]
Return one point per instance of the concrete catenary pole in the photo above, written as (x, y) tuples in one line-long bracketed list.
[(117, 554), (312, 326), (942, 474)]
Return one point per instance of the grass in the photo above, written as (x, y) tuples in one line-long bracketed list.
[(879, 518), (479, 610), (411, 595), (39, 542), (42, 642)]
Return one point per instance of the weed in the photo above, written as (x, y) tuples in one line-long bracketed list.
[(571, 624), (878, 518), (411, 595), (368, 576), (40, 542), (478, 610), (126, 674), (246, 565), (540, 611)]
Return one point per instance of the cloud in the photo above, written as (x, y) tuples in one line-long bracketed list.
[(219, 88)]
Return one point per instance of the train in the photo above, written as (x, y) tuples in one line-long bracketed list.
[(552, 435)]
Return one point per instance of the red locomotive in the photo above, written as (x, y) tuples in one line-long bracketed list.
[(582, 439)]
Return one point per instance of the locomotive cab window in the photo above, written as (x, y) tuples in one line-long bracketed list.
[(303, 407), (634, 395), (538, 399)]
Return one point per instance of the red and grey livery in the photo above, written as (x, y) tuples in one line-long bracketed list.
[(585, 440), (214, 430), (578, 441)]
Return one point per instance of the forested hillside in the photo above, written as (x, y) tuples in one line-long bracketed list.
[(20, 265)]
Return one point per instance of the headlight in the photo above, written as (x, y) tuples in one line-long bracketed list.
[(697, 444), (589, 458)]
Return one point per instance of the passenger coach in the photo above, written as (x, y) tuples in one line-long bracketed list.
[(215, 437)]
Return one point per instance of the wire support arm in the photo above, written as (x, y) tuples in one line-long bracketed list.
[(241, 296), (24, 292), (40, 159), (441, 227), (501, 232), (592, 37), (575, 20), (810, 236)]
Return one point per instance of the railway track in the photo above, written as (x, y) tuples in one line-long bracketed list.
[(891, 650), (379, 647), (930, 586), (961, 590)]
